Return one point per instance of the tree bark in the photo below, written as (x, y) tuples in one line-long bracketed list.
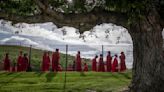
[(148, 65)]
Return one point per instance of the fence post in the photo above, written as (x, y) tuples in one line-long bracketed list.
[(103, 50), (65, 79), (29, 66)]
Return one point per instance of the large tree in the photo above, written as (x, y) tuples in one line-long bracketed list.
[(144, 19)]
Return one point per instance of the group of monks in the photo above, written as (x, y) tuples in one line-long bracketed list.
[(46, 62), (111, 65), (22, 63)]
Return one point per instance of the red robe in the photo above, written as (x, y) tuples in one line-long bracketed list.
[(108, 63), (19, 63), (55, 61), (122, 63), (6, 64), (101, 67), (94, 65), (85, 68), (115, 65), (47, 63), (25, 64), (44, 63), (78, 63), (13, 69)]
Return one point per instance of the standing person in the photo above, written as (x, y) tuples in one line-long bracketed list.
[(122, 62), (44, 62), (47, 62), (55, 60), (85, 67), (19, 62), (94, 63), (109, 62), (115, 65), (6, 62), (78, 62), (101, 67), (25, 63)]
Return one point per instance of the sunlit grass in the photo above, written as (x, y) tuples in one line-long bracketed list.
[(54, 82)]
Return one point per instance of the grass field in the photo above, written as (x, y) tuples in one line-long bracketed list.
[(53, 82)]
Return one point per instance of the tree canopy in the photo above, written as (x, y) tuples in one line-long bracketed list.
[(82, 14)]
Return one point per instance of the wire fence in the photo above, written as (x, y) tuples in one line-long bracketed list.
[(88, 52), (67, 55)]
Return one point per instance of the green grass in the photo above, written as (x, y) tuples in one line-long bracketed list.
[(36, 56), (54, 82)]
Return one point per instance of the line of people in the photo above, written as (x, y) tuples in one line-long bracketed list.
[(110, 66), (97, 66), (22, 63), (46, 61)]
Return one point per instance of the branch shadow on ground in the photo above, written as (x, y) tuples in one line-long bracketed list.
[(39, 73), (125, 75), (49, 76), (117, 77), (82, 74), (10, 80)]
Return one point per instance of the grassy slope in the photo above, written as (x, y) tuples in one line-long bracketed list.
[(52, 82), (36, 56)]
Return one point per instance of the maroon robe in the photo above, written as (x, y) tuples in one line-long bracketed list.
[(122, 63), (6, 63), (115, 65), (44, 62), (85, 67), (94, 65), (47, 63), (25, 64), (19, 63), (78, 63), (109, 63), (101, 67), (55, 61)]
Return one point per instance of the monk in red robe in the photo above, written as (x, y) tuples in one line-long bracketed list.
[(109, 62), (47, 62), (85, 67), (55, 60), (25, 63), (6, 62), (115, 65), (44, 62), (122, 62), (101, 67), (94, 64), (19, 62), (78, 62)]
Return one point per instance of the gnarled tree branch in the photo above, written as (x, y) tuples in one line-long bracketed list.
[(82, 21), (88, 20)]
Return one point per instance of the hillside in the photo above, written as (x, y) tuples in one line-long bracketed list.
[(36, 54)]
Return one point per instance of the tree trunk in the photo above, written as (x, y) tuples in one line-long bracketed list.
[(148, 65)]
